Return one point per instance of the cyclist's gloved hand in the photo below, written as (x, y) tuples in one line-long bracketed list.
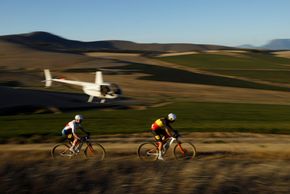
[(176, 134)]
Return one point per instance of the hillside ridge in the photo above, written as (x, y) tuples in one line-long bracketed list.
[(48, 41)]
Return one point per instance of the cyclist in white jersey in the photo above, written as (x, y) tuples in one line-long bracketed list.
[(70, 131)]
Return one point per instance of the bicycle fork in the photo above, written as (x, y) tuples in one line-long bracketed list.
[(181, 149), (91, 148)]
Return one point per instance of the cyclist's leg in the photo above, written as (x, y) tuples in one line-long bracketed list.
[(75, 142), (165, 135), (69, 136), (66, 133), (158, 138)]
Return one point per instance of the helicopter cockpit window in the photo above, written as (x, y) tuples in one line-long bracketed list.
[(105, 90)]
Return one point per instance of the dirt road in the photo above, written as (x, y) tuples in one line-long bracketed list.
[(209, 145)]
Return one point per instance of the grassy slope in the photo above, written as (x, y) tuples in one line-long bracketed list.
[(172, 75), (191, 117), (219, 61), (250, 65), (279, 76)]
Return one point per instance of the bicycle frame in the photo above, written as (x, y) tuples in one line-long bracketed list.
[(181, 150), (79, 147), (81, 143), (168, 144), (90, 150)]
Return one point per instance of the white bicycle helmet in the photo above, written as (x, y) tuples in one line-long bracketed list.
[(171, 117), (79, 117)]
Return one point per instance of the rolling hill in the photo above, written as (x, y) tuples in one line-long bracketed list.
[(51, 42), (237, 76)]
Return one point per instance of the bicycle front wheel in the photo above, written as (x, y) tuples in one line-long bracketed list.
[(95, 151), (148, 152), (61, 151), (184, 151)]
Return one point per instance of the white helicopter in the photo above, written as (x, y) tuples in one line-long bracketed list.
[(99, 89)]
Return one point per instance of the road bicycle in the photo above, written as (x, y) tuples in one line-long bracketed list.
[(148, 151), (91, 150)]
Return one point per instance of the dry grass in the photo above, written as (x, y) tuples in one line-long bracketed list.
[(232, 53), (219, 168), (108, 54), (130, 176), (285, 54), (177, 54), (13, 56)]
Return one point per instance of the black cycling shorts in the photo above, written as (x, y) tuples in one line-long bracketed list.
[(158, 134)]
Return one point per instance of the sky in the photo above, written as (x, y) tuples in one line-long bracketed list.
[(221, 22)]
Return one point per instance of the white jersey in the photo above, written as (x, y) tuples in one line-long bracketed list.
[(73, 125)]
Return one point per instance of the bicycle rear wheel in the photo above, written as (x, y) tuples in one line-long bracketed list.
[(61, 151), (184, 151), (148, 152), (95, 151)]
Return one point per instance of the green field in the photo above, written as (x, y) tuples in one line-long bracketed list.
[(280, 76), (218, 61), (168, 74), (261, 66), (191, 117)]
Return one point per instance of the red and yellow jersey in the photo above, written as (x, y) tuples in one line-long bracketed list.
[(159, 123)]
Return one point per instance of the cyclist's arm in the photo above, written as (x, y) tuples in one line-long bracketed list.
[(73, 129), (83, 130), (169, 130)]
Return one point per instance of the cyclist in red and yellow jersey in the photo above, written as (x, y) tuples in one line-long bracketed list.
[(162, 128)]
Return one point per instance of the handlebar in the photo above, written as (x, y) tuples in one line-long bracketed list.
[(172, 139), (85, 138)]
